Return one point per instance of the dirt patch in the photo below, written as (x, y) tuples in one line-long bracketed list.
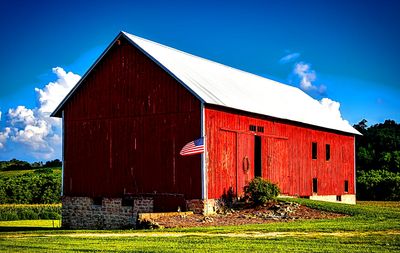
[(272, 212)]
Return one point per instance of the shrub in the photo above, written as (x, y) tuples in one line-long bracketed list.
[(261, 191), (378, 185)]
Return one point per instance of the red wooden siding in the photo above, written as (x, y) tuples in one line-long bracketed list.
[(286, 155), (124, 128)]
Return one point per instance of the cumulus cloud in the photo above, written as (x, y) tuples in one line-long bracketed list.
[(332, 107), (52, 94), (4, 136), (307, 77), (289, 58), (34, 130)]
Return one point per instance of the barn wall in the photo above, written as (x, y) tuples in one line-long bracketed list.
[(285, 155), (124, 128)]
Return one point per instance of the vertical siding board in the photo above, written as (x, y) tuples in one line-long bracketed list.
[(285, 161), (128, 101)]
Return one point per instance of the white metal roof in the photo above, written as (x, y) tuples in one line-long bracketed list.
[(217, 84)]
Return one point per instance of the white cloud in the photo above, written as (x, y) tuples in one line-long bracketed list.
[(306, 74), (33, 129), (289, 58), (331, 111), (4, 136), (306, 77), (331, 107), (53, 93)]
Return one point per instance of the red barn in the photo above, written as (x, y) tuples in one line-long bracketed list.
[(129, 116)]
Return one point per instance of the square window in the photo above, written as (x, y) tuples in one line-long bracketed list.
[(338, 198), (253, 128), (260, 129)]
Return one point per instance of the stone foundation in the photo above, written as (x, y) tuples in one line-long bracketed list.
[(346, 198), (104, 213), (203, 206)]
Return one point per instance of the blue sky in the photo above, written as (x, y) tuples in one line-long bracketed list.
[(344, 50)]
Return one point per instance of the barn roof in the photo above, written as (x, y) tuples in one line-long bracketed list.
[(218, 84)]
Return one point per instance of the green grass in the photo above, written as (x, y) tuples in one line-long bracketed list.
[(13, 173), (31, 224), (10, 212), (373, 227)]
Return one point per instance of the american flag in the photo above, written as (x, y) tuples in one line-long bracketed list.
[(193, 147)]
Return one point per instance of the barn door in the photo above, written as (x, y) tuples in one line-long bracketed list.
[(277, 165), (245, 162)]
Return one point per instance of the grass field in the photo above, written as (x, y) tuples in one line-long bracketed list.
[(372, 227), (12, 173)]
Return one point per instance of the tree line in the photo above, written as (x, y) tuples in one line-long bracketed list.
[(378, 161), (15, 164)]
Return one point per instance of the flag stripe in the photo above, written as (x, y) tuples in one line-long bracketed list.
[(193, 147)]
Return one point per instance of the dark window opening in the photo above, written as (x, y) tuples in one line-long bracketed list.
[(346, 186), (260, 129), (97, 201), (314, 150), (253, 128), (315, 185), (127, 201), (328, 152), (257, 156), (338, 198)]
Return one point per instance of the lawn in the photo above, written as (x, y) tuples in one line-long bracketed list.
[(372, 227)]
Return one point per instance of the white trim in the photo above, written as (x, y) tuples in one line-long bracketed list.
[(62, 152), (355, 157), (204, 194)]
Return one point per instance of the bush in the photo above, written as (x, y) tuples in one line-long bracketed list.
[(261, 191), (378, 185)]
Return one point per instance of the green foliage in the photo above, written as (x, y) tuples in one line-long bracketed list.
[(31, 188), (379, 147), (378, 185), (53, 163), (44, 170), (14, 165), (30, 212), (378, 161), (261, 191)]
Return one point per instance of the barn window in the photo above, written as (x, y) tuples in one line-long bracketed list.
[(127, 201), (314, 150), (257, 156), (97, 201), (328, 152), (260, 129), (253, 128), (346, 186), (338, 198), (315, 185)]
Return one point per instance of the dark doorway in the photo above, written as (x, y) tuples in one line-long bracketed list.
[(257, 156)]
